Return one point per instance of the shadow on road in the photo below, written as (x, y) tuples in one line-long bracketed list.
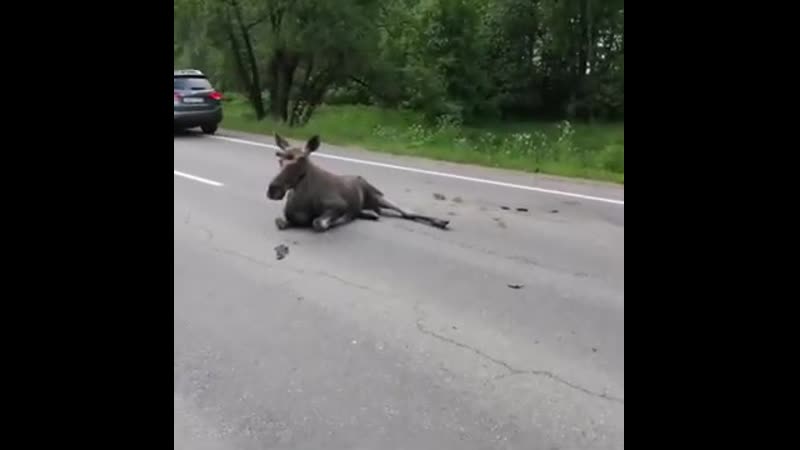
[(186, 134)]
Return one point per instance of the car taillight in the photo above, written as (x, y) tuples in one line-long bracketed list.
[(176, 97), (216, 95)]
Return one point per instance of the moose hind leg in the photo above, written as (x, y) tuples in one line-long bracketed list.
[(385, 203), (330, 220), (368, 215)]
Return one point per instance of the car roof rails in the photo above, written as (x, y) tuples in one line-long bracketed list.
[(188, 72)]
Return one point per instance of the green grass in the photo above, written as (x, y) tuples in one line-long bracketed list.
[(581, 151)]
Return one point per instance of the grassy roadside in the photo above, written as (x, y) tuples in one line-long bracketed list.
[(580, 151)]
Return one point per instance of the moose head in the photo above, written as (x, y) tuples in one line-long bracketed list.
[(294, 165)]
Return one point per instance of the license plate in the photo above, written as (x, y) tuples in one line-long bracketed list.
[(193, 100)]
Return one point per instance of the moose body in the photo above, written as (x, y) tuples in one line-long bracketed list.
[(322, 200)]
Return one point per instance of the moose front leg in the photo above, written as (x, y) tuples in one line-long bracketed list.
[(293, 218), (282, 223)]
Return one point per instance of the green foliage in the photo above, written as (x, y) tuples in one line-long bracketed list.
[(468, 59), (578, 150), (452, 64)]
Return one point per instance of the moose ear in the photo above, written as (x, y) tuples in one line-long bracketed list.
[(281, 142), (312, 144)]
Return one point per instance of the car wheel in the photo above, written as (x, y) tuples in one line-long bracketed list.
[(209, 129)]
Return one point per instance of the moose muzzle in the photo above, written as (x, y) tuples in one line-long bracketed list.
[(275, 192)]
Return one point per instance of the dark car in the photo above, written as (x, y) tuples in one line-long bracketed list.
[(196, 102)]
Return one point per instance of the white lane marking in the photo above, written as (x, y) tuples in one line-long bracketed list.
[(434, 173), (199, 179)]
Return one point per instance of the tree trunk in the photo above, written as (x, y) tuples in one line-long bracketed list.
[(282, 68), (241, 69), (590, 63), (255, 84), (582, 90), (300, 102), (315, 94)]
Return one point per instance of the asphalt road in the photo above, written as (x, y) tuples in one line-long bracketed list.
[(393, 334)]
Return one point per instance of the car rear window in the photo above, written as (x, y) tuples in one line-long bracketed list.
[(191, 84)]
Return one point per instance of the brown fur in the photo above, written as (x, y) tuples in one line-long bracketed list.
[(323, 200)]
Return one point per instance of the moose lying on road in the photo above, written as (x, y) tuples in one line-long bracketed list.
[(324, 200)]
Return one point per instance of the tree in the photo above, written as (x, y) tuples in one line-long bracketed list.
[(463, 58), (294, 49)]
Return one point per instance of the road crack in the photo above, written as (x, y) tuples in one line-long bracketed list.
[(187, 220), (294, 270), (513, 371), (478, 352), (343, 281), (209, 233), (249, 258), (497, 254)]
